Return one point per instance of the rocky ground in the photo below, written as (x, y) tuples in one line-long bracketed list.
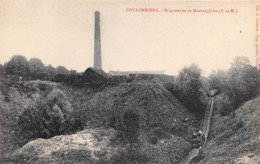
[(155, 105), (94, 146), (166, 129), (236, 140), (165, 125)]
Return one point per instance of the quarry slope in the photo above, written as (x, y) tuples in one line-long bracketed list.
[(236, 140)]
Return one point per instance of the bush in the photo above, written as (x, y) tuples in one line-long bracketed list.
[(7, 128), (46, 117), (30, 110), (10, 106)]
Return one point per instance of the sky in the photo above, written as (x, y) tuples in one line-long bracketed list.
[(61, 32)]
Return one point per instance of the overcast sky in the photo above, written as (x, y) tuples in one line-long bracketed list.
[(61, 32)]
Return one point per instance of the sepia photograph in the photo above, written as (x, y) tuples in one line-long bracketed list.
[(129, 82)]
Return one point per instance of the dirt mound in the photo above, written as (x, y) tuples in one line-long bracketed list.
[(155, 106), (237, 141)]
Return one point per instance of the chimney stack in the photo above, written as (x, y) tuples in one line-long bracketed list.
[(97, 44)]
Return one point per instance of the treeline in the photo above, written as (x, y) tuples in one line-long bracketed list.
[(240, 83), (33, 68)]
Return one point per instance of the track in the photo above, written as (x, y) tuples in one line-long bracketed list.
[(205, 131), (207, 120)]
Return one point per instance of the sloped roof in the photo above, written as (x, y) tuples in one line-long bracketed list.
[(98, 71)]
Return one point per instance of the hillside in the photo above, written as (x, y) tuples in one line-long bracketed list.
[(94, 122), (236, 140), (153, 103), (165, 126)]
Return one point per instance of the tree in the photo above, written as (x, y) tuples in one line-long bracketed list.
[(62, 70), (1, 68), (18, 65), (73, 72), (50, 69), (239, 62), (239, 84), (242, 81), (218, 79), (36, 65), (188, 88)]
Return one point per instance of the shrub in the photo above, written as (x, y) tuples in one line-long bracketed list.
[(10, 106), (46, 117), (31, 110)]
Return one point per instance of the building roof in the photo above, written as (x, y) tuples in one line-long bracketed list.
[(120, 73), (98, 71)]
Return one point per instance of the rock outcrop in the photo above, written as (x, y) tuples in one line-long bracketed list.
[(88, 146)]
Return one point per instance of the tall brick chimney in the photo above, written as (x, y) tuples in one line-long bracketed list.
[(97, 44)]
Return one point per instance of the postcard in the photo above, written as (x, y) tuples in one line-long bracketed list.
[(84, 81)]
